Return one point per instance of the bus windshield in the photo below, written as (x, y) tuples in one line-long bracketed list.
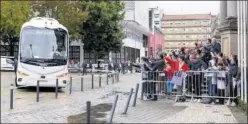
[(43, 45)]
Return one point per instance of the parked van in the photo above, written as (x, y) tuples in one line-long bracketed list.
[(7, 63)]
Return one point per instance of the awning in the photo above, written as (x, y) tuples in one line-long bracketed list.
[(136, 26)]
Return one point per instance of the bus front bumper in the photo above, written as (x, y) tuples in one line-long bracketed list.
[(32, 82)]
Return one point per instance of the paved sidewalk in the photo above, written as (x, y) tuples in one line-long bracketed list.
[(162, 111)]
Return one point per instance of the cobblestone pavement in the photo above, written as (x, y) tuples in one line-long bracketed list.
[(51, 110)]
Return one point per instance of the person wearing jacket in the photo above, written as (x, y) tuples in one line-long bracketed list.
[(233, 72), (172, 66), (196, 79), (212, 79), (182, 66), (147, 72)]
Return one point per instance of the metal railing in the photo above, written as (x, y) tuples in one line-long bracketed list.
[(191, 84)]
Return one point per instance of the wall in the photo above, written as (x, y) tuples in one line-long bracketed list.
[(142, 13), (159, 40)]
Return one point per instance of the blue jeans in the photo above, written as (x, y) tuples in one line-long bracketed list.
[(170, 86), (211, 88)]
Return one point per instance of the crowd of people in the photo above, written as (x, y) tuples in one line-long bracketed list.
[(206, 60)]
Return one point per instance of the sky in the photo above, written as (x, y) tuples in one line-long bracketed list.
[(187, 7)]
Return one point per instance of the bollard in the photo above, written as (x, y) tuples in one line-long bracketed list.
[(92, 81), (11, 96), (70, 85), (128, 101), (118, 76), (107, 77), (56, 88), (82, 83), (113, 79), (37, 91), (88, 112), (142, 90), (113, 110), (135, 96), (100, 80)]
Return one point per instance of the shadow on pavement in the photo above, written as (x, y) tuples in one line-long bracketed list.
[(97, 114)]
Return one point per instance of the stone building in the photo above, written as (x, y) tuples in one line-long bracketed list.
[(185, 30), (242, 37)]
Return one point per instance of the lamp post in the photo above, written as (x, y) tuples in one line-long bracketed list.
[(153, 25)]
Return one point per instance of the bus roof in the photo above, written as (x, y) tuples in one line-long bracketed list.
[(43, 22)]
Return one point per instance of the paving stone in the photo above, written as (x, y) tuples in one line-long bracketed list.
[(50, 110)]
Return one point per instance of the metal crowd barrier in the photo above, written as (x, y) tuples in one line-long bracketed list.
[(191, 84)]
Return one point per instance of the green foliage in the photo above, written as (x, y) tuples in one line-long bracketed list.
[(68, 13), (13, 15), (101, 31)]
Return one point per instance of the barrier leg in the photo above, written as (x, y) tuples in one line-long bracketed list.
[(11, 96), (92, 81), (118, 76), (128, 101), (56, 88), (100, 80), (135, 96), (113, 110), (142, 91), (107, 77), (82, 84), (70, 85), (37, 91), (113, 80), (88, 103)]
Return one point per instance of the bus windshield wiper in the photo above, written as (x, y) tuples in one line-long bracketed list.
[(30, 61)]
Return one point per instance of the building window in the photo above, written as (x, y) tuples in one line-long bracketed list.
[(156, 22), (145, 41), (156, 15)]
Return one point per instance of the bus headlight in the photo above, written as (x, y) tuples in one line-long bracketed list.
[(22, 74), (63, 75)]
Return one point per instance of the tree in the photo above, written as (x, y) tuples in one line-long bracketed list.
[(68, 13), (13, 15), (101, 31)]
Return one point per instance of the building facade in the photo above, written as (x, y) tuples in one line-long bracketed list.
[(156, 43), (242, 32), (215, 33), (185, 30), (156, 38), (136, 29), (233, 29)]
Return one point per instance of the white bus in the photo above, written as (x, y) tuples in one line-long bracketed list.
[(43, 53)]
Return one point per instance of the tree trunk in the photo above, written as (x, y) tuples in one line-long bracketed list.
[(11, 49)]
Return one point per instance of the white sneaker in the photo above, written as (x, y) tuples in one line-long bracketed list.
[(233, 104), (212, 103), (199, 100), (195, 100)]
